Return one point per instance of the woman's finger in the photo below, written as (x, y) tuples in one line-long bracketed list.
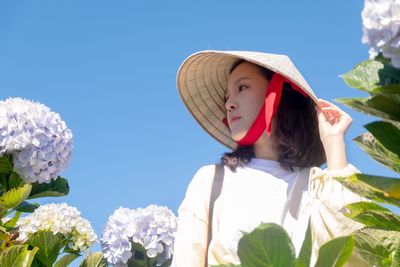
[(322, 102), (321, 115), (334, 109)]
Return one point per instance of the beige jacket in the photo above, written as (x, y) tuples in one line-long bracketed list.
[(262, 192)]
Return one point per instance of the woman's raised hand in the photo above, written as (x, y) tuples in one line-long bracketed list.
[(332, 121), (333, 124)]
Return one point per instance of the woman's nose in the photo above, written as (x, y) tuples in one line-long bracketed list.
[(230, 105)]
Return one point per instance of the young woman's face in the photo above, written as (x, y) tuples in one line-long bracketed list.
[(245, 95)]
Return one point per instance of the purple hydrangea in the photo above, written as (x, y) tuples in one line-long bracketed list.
[(381, 27), (37, 138), (153, 228)]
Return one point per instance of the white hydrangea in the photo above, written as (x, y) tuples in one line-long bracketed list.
[(381, 27), (37, 138), (153, 227), (58, 218)]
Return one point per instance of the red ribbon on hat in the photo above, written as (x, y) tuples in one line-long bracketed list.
[(267, 112)]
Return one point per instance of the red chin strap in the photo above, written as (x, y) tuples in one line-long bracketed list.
[(263, 122)]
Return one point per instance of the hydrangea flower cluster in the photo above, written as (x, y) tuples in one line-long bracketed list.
[(381, 27), (58, 218), (37, 138), (153, 227)]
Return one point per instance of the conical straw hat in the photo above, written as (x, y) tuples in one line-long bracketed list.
[(202, 78)]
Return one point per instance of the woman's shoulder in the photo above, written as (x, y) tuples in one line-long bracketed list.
[(206, 169), (198, 192), (203, 176)]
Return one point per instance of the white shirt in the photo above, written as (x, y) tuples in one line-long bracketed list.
[(260, 192)]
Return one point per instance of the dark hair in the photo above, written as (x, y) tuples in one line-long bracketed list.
[(296, 131)]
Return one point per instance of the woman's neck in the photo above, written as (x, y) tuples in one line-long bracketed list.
[(264, 148)]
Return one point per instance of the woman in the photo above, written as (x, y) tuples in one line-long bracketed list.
[(261, 107)]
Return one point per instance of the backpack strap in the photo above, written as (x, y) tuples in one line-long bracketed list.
[(215, 192)]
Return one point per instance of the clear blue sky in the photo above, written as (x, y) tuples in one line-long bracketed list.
[(108, 68)]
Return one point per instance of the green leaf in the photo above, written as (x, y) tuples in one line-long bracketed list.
[(371, 214), (376, 246), (15, 181), (6, 165), (14, 197), (267, 245), (11, 223), (378, 152), (29, 256), (383, 59), (49, 245), (137, 247), (152, 261), (377, 188), (66, 260), (306, 249), (370, 74), (95, 260), (17, 256), (27, 207), (55, 188), (391, 91), (3, 183), (139, 257), (378, 105), (10, 255), (336, 252), (136, 263), (4, 235), (387, 134), (396, 258)]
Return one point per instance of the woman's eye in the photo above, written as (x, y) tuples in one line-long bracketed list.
[(242, 87)]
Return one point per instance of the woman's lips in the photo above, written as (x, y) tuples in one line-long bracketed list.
[(235, 119)]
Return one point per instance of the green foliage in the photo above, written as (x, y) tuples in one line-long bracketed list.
[(377, 246), (11, 223), (17, 256), (373, 76), (379, 241), (27, 207), (14, 197), (15, 181), (335, 252), (378, 152), (66, 260), (371, 214), (49, 245), (55, 188), (270, 245), (387, 134), (306, 249), (267, 245), (140, 258), (378, 105), (377, 188), (95, 260), (6, 166)]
